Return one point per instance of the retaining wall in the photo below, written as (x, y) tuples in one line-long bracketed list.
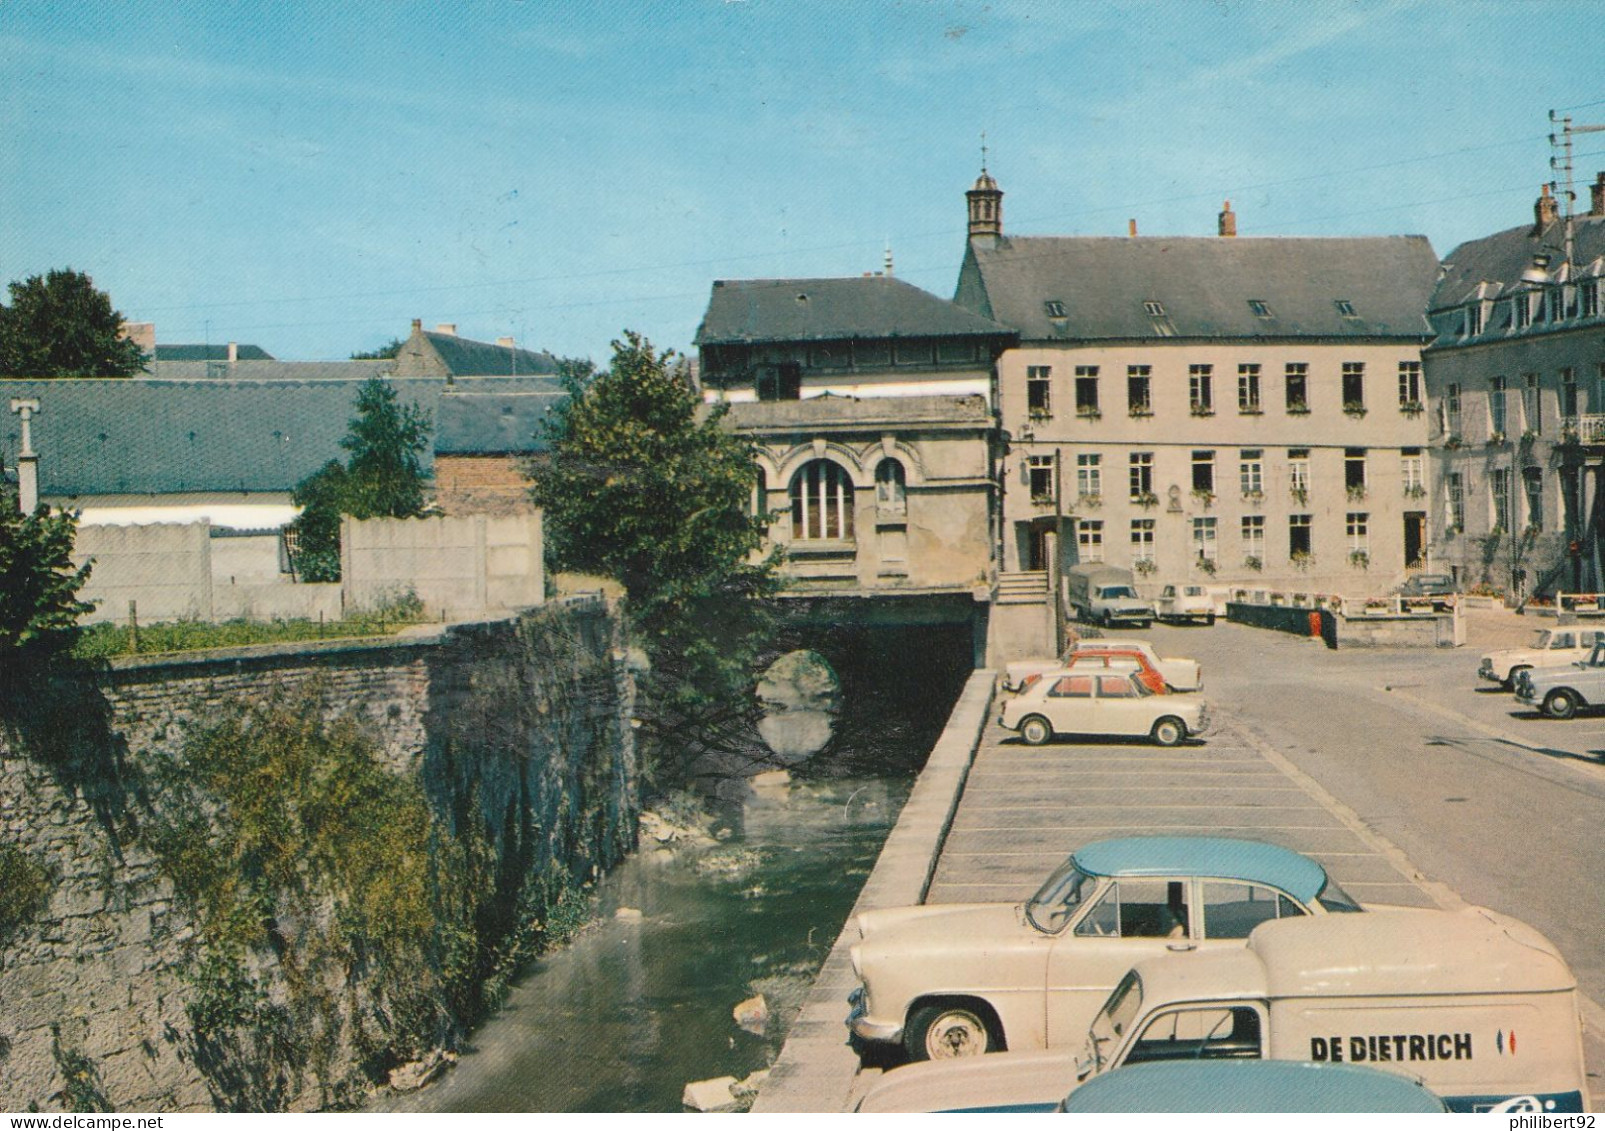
[(519, 727)]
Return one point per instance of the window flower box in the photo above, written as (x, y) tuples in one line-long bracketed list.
[(1355, 409)]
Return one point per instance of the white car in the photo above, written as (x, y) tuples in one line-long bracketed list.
[(1099, 702), (1551, 648), (954, 980), (1180, 674), (1185, 602)]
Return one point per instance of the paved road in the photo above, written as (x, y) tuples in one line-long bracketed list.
[(1391, 767)]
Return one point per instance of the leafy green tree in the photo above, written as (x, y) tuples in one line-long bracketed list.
[(39, 583), (383, 478), (642, 483), (59, 325), (389, 350)]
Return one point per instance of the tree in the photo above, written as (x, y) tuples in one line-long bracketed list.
[(644, 485), (383, 478), (39, 583), (389, 350), (59, 325)]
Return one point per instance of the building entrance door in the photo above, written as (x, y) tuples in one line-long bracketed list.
[(1415, 539)]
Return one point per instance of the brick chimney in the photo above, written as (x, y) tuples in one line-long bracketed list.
[(417, 325), (446, 328), (1596, 191), (1546, 210), (1131, 228), (233, 352), (1226, 222), (27, 459), (506, 343)]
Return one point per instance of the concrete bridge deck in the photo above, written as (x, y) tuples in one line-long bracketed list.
[(990, 817)]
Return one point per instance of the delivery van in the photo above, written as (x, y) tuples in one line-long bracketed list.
[(1107, 595), (1477, 1006)]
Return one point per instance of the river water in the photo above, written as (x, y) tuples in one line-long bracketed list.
[(632, 1010)]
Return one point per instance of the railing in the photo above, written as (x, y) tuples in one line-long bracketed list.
[(1588, 428)]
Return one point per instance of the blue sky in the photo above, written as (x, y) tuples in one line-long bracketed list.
[(311, 176)]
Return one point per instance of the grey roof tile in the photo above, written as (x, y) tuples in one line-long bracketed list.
[(1203, 285), (479, 423), (201, 352), (140, 435), (1502, 257), (812, 412), (874, 306)]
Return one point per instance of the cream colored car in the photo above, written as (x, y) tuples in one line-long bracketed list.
[(948, 980)]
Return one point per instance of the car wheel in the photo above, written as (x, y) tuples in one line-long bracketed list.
[(944, 1032), (1210, 619), (1108, 620), (1169, 731), (1510, 680), (1036, 730), (1561, 704)]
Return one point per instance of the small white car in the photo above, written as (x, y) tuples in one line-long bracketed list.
[(1551, 648), (1112, 702), (1180, 674), (1185, 602), (950, 980), (1560, 692)]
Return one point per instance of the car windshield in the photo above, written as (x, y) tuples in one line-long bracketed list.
[(1056, 901), (1112, 1022), (1596, 658), (1541, 638), (1334, 898), (1118, 591)]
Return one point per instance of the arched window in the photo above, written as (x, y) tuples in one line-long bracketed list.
[(822, 502), (889, 486)]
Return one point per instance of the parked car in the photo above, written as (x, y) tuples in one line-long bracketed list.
[(1185, 602), (1023, 673), (1181, 675), (949, 980), (1561, 692), (1116, 702), (1551, 647), (1431, 995), (1428, 585), (1107, 595)]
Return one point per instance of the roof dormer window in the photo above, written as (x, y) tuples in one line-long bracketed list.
[(1054, 307), (1154, 309), (1260, 307), (1345, 308)]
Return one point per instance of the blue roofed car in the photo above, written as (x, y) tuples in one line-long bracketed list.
[(1251, 1085), (950, 980)]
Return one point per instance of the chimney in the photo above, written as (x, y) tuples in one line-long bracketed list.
[(27, 459), (888, 260), (1131, 228), (506, 343), (446, 328), (233, 352), (142, 334), (1226, 222), (1545, 210), (1596, 191), (417, 325)]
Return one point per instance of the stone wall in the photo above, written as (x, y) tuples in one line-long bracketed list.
[(518, 727)]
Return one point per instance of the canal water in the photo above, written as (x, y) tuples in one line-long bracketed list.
[(632, 1010)]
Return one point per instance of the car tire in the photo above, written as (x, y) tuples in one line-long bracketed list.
[(948, 1030), (1169, 731), (1561, 704), (1036, 730), (1510, 680), (1107, 620), (1210, 619)]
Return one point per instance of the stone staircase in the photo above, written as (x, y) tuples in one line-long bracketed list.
[(1025, 588)]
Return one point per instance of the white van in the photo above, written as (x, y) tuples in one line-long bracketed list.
[(1479, 1007)]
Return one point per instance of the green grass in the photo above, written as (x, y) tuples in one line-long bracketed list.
[(105, 640)]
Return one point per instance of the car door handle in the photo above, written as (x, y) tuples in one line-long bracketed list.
[(1179, 946)]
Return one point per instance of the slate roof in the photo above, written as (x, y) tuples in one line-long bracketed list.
[(202, 352), (146, 436), (431, 353), (791, 310), (270, 370), (813, 412), (1204, 285), (1500, 259), (492, 423)]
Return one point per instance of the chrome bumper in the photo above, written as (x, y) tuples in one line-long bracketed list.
[(866, 1029)]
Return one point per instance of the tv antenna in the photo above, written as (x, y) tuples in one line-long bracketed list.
[(1560, 163)]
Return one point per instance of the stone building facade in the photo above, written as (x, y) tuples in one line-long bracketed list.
[(1219, 410), (1516, 389)]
